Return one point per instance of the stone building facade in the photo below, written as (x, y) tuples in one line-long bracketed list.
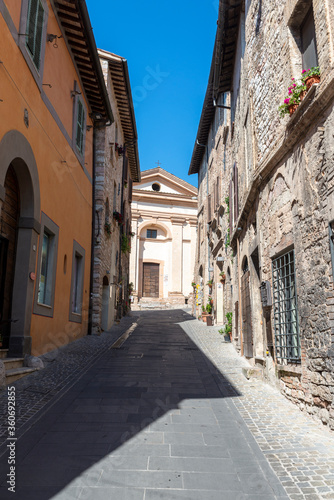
[(164, 210), (117, 167), (266, 201)]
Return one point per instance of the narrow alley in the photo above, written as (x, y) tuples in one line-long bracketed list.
[(165, 413)]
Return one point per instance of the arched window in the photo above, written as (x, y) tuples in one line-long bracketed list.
[(245, 267), (156, 187)]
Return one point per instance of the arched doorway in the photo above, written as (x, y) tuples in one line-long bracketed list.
[(20, 226), (8, 237)]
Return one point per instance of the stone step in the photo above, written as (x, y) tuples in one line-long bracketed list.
[(11, 363), (253, 372), (16, 373), (3, 353)]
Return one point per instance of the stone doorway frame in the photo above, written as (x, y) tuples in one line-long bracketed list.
[(15, 150)]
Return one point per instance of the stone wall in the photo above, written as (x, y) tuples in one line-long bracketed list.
[(285, 196)]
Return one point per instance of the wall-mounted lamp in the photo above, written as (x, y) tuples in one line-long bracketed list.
[(96, 116), (239, 228), (53, 38)]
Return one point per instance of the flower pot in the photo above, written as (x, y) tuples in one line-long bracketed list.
[(311, 80), (292, 108), (302, 95), (209, 321)]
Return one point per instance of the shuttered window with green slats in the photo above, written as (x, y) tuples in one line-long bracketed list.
[(80, 126), (35, 30)]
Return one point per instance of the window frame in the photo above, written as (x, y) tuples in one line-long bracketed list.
[(281, 344), (49, 227), (152, 237), (78, 250), (37, 73), (309, 15)]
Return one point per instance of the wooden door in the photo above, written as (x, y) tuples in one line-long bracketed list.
[(8, 234), (246, 316), (151, 280)]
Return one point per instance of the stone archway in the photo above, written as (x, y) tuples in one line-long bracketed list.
[(16, 154)]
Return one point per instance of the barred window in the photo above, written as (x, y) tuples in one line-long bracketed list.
[(151, 233), (35, 30), (287, 341)]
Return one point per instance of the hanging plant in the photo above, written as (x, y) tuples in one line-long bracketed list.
[(107, 228)]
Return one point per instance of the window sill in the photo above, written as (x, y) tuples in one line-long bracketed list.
[(292, 369)]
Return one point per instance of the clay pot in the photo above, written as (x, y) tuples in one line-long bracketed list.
[(311, 80), (292, 108), (302, 95)]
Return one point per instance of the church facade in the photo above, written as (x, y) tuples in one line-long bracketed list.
[(164, 226)]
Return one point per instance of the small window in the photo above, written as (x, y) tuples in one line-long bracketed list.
[(80, 126), (78, 268), (308, 42), (46, 270), (35, 30), (156, 187), (151, 233)]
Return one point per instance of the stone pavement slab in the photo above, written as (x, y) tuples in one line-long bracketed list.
[(112, 450)]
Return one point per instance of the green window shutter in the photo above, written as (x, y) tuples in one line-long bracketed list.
[(80, 126), (35, 30)]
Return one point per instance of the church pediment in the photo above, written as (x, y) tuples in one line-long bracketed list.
[(158, 181)]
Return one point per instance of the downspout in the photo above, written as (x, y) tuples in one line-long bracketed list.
[(120, 302)]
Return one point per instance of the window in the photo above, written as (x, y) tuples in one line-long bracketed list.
[(156, 187), (35, 30), (46, 269), (287, 342), (80, 127), (78, 268), (151, 233), (308, 42)]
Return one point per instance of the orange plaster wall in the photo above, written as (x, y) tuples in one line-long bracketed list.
[(65, 190), (14, 8)]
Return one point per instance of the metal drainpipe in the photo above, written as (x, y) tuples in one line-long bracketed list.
[(120, 302), (90, 308)]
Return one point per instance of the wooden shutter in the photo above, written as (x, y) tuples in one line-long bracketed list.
[(125, 173), (80, 126), (38, 35), (130, 189), (35, 30), (218, 191), (246, 316)]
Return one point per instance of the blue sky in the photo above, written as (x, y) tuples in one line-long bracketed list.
[(168, 46)]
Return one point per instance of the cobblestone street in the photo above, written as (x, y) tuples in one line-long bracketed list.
[(165, 415)]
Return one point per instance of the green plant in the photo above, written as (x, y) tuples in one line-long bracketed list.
[(203, 308), (228, 239), (227, 201), (221, 331), (125, 247), (210, 282), (208, 308), (193, 284), (308, 73), (107, 228), (228, 326)]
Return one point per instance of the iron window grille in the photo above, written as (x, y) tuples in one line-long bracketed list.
[(287, 340)]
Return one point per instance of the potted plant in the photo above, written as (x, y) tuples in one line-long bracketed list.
[(107, 228), (210, 283), (193, 284), (222, 277), (228, 326), (310, 76), (296, 93), (118, 217), (204, 314)]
